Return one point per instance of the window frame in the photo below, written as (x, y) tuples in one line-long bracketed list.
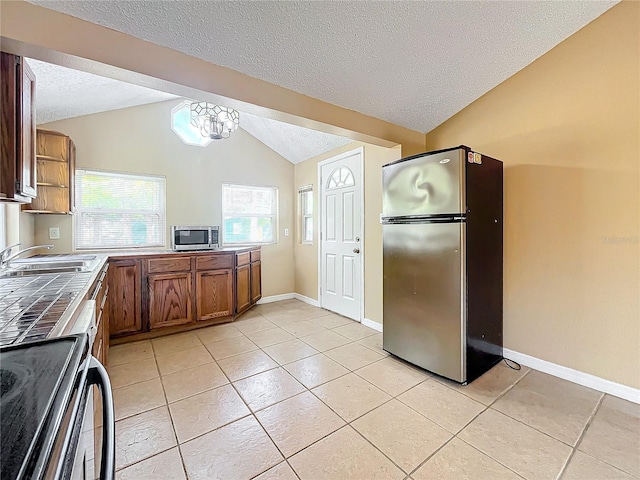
[(275, 214), (162, 227), (302, 215)]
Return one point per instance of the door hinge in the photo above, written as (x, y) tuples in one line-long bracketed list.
[(17, 185), (17, 59)]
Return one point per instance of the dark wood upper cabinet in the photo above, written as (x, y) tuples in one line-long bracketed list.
[(56, 166), (125, 300), (18, 171)]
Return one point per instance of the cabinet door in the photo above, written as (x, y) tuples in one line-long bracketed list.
[(27, 140), (169, 299), (124, 297), (256, 281), (72, 176), (214, 294), (17, 122), (243, 288)]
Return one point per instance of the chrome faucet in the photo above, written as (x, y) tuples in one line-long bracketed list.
[(5, 253), (4, 259)]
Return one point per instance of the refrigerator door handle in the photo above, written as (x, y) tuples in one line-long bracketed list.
[(418, 219)]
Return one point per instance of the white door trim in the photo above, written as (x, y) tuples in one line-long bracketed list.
[(359, 150)]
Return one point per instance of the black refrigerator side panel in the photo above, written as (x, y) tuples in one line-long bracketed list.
[(484, 265)]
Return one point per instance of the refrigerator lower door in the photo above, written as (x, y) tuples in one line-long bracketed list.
[(424, 289)]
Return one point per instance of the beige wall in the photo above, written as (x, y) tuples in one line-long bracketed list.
[(568, 130), (140, 140), (306, 256), (15, 227)]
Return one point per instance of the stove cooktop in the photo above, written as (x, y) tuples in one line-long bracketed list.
[(36, 380)]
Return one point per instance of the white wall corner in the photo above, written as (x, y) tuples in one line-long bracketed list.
[(276, 298), (581, 378), (305, 299), (371, 324)]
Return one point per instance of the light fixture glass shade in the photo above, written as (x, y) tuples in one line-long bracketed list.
[(214, 121)]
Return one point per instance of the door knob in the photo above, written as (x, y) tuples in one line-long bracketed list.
[(356, 250)]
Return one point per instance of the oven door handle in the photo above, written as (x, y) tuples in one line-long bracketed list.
[(97, 375)]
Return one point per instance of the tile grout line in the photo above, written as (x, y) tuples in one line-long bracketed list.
[(309, 389), (252, 414), (178, 444), (173, 426), (486, 407), (580, 437)]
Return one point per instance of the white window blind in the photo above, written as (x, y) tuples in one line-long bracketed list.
[(306, 213), (249, 214), (119, 210)]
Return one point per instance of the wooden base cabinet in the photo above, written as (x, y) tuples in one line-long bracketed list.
[(100, 294), (248, 279), (125, 306), (243, 288), (167, 293), (256, 281), (214, 294), (169, 299)]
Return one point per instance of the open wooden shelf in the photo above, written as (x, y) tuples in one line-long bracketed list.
[(49, 158), (55, 185)]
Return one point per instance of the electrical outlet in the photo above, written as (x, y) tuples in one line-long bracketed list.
[(54, 233), (286, 232)]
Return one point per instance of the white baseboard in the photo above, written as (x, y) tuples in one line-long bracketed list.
[(276, 298), (576, 376), (306, 299), (371, 324)]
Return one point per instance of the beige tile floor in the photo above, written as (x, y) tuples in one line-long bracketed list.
[(291, 391)]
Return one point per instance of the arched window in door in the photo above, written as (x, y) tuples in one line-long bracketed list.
[(340, 177)]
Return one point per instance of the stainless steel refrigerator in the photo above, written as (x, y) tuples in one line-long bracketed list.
[(442, 261)]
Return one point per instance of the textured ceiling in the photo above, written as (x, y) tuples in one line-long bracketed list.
[(66, 93), (411, 63), (294, 143)]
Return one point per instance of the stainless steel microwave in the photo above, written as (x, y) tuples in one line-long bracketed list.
[(185, 238)]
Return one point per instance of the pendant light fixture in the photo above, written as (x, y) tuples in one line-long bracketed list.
[(214, 121)]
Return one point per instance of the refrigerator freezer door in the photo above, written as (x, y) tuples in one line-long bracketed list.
[(428, 185), (423, 296)]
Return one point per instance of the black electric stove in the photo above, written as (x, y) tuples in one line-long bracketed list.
[(39, 382)]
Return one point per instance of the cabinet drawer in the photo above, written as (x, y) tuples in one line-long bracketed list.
[(170, 264), (242, 259), (255, 255), (214, 262)]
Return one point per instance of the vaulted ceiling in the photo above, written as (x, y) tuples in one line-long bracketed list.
[(413, 63), (63, 93)]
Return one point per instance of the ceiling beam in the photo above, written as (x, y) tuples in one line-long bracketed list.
[(54, 37)]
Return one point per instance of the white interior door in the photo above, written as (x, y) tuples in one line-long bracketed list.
[(341, 224)]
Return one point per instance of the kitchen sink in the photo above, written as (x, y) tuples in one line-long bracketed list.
[(43, 264), (27, 272)]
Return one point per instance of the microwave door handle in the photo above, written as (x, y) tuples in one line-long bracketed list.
[(98, 376)]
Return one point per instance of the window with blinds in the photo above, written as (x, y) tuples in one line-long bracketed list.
[(119, 210), (306, 213), (249, 214)]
